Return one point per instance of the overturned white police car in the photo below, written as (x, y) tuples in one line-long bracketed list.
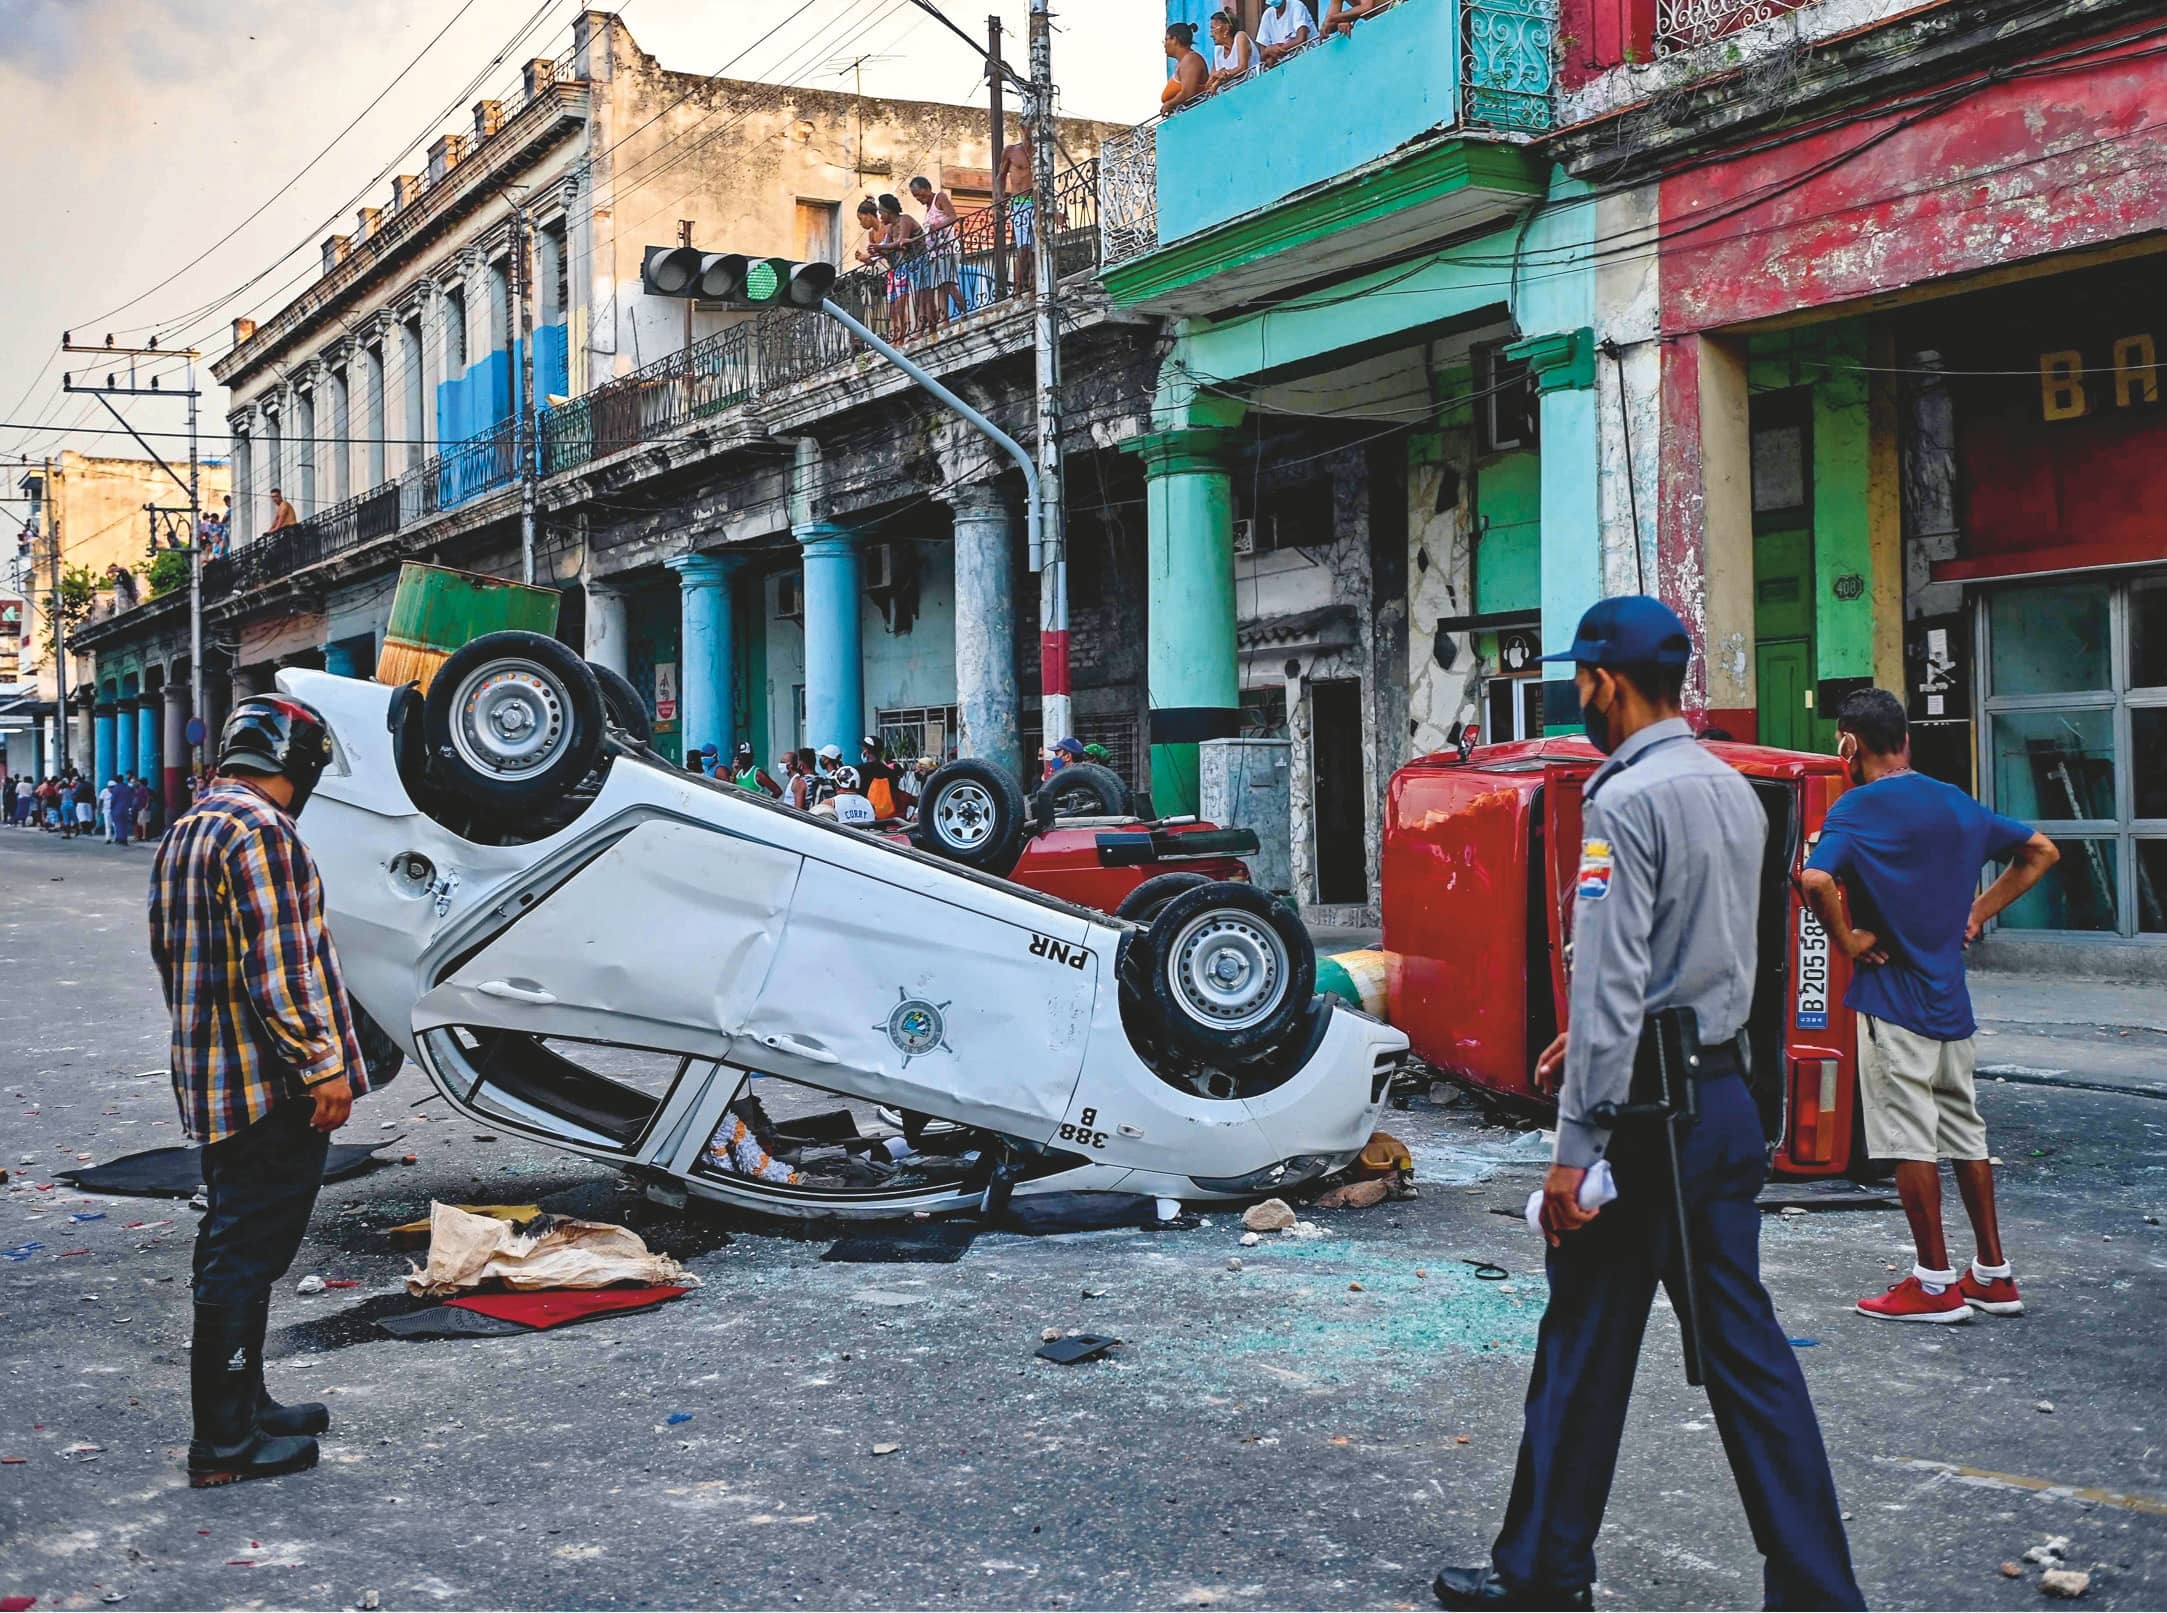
[(585, 945)]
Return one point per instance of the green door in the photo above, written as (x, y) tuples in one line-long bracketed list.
[(1783, 641)]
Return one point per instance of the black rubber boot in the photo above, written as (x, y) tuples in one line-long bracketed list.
[(225, 1371), (309, 1417)]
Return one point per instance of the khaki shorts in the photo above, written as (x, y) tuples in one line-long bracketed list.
[(1918, 1095)]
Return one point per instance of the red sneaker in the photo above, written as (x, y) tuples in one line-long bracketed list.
[(1908, 1301), (1997, 1296)]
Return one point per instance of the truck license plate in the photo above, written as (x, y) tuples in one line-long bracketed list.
[(1812, 972)]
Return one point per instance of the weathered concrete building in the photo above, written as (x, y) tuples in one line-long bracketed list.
[(708, 508), (101, 508), (1885, 306)]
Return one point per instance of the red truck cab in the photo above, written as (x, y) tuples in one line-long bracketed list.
[(1479, 859)]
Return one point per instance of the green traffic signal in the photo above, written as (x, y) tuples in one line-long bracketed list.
[(734, 278)]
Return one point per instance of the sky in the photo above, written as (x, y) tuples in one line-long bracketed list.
[(142, 133)]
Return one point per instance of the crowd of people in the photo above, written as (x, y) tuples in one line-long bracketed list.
[(939, 265), (1287, 26), (874, 790), (127, 807)]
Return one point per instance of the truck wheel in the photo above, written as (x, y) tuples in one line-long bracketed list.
[(626, 711), (971, 812), (1081, 790), (513, 721), (1231, 970), (1143, 904)]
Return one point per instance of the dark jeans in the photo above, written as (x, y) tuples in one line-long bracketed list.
[(262, 1185), (1602, 1283)]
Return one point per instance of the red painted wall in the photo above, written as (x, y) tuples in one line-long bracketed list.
[(2017, 169)]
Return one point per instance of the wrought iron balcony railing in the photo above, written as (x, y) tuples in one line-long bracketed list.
[(713, 374), (1683, 24)]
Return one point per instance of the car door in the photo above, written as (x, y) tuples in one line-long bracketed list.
[(1561, 807), (901, 982), (662, 939)]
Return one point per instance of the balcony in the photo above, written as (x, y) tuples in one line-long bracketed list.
[(1411, 129)]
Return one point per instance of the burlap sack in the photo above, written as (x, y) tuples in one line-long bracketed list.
[(468, 1251)]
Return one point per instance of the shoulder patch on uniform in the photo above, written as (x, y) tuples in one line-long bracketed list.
[(1593, 881)]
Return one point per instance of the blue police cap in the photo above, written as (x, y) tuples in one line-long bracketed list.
[(1629, 630)]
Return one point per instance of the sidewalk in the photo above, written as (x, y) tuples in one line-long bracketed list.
[(2051, 1030)]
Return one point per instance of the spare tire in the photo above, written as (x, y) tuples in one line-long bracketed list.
[(1142, 904), (1230, 970), (1081, 790), (621, 703), (971, 812), (513, 721)]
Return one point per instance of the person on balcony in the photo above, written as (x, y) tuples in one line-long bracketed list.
[(902, 244), (1233, 53), (1191, 71), (875, 233), (282, 512), (1344, 14), (941, 299), (1021, 188), (1286, 27)]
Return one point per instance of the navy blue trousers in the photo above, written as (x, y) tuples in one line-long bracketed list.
[(262, 1184), (1602, 1283)]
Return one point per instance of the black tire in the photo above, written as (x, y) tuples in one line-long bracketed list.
[(1269, 964), (622, 705), (971, 812), (513, 721), (1144, 903), (1081, 790), (381, 1057)]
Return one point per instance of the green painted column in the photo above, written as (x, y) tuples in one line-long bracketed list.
[(1193, 667), (1843, 562), (1572, 534)]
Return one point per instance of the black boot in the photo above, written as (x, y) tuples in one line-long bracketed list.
[(225, 1371), (310, 1417), (1481, 1588)]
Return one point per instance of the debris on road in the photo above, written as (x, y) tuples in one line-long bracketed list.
[(415, 1234), (1251, 1239), (466, 1251), (2012, 1570), (887, 1449), (1075, 1347), (2049, 1552), (1233, 1262), (2044, 1405), (1272, 1215), (2067, 1583), (311, 1284), (1357, 1195)]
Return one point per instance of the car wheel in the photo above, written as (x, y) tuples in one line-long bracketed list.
[(1081, 790), (381, 1057), (1231, 970), (513, 720), (971, 812), (1142, 904), (622, 704)]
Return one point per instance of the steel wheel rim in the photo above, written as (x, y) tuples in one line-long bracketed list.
[(511, 719), (963, 816), (1228, 968)]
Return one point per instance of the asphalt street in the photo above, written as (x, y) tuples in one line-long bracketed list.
[(1322, 1427)]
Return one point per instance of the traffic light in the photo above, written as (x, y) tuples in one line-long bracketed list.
[(736, 278)]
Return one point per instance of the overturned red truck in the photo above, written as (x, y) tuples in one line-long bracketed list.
[(1479, 856)]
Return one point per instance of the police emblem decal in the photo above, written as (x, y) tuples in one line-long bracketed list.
[(916, 1027), (1593, 882)]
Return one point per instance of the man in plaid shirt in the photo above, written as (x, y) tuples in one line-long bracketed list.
[(266, 1065)]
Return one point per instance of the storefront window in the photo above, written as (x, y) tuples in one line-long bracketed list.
[(2073, 738), (2148, 634), (2152, 886), (2148, 760), (2077, 894), (2049, 639), (2054, 766)]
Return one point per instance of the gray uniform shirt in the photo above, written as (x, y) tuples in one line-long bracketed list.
[(1664, 915)]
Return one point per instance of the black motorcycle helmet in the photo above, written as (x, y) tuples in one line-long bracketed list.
[(270, 734)]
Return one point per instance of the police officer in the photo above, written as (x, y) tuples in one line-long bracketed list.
[(1665, 912)]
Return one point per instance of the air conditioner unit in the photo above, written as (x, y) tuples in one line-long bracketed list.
[(790, 596), (879, 565), (1245, 536)]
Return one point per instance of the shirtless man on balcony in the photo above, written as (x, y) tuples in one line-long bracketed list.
[(282, 512)]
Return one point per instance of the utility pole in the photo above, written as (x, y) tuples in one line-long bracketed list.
[(524, 436), (60, 623), (996, 78), (192, 486), (1055, 706)]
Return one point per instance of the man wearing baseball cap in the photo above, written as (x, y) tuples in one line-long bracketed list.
[(1666, 905)]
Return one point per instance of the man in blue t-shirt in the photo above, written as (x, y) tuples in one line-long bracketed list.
[(1908, 850)]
